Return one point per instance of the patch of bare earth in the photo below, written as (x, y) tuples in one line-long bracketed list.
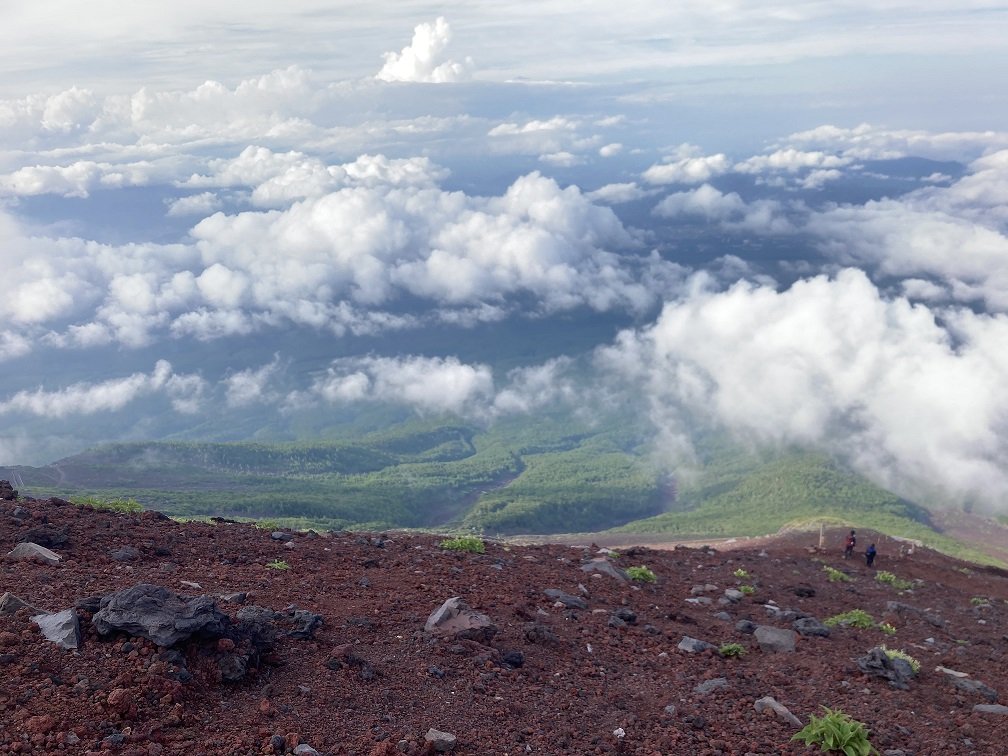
[(554, 679)]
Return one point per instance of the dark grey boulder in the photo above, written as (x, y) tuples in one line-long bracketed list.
[(694, 646), (571, 602), (710, 686), (876, 663), (746, 626), (775, 640), (969, 685), (810, 626), (9, 603), (603, 566), (156, 613)]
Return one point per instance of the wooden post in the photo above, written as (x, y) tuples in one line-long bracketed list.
[(822, 535)]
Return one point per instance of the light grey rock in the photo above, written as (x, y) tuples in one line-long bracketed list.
[(975, 687), (571, 602), (723, 616), (709, 686), (603, 566), (775, 640), (700, 601), (699, 590), (733, 595), (768, 704), (990, 709), (9, 603), (694, 646), (303, 749), (158, 614), (62, 628), (442, 742), (32, 551), (456, 619)]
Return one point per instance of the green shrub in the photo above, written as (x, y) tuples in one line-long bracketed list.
[(894, 653), (886, 628), (980, 601), (740, 573), (748, 590), (835, 576), (270, 525), (890, 579), (853, 618), (278, 564), (126, 505), (472, 544), (732, 649), (836, 732), (642, 574)]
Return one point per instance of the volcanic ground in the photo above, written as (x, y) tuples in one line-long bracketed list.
[(599, 665)]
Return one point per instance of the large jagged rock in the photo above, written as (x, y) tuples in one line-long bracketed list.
[(62, 628), (156, 613), (876, 663), (33, 552), (810, 626), (456, 619)]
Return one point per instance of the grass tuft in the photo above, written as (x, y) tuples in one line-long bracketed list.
[(278, 564), (836, 732), (641, 574), (471, 544)]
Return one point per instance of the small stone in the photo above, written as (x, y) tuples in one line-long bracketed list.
[(774, 640), (709, 686), (279, 535), (770, 704), (990, 709), (694, 646), (62, 628), (441, 742), (304, 749)]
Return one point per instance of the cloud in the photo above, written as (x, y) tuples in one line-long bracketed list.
[(511, 128), (614, 194), (201, 204), (791, 161), (184, 391), (688, 170), (610, 150), (910, 396), (428, 384), (423, 60), (561, 159), (868, 142), (763, 216), (250, 387)]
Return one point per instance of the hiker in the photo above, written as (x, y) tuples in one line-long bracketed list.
[(870, 555), (849, 545)]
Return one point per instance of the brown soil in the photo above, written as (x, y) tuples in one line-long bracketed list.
[(581, 681)]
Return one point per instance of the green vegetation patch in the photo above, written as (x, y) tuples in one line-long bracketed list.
[(126, 505), (836, 732), (748, 590), (741, 574), (732, 649), (641, 574), (853, 618), (894, 653), (835, 575), (889, 578), (278, 564), (471, 544)]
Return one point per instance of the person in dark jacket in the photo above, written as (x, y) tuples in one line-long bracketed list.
[(870, 555), (849, 545)]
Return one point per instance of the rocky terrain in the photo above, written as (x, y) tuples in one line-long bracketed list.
[(134, 634)]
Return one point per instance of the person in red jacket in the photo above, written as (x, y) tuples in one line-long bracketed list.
[(849, 545)]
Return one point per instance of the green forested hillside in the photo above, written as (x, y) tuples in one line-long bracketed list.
[(554, 475)]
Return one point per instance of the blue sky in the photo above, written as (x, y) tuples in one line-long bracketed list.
[(786, 219)]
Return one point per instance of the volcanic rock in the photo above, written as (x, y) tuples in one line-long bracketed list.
[(156, 613), (456, 619), (775, 640), (62, 628), (33, 552)]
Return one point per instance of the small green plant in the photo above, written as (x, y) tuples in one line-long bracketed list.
[(890, 579), (886, 628), (270, 525), (836, 732), (126, 505), (732, 649), (894, 653), (835, 576), (472, 544), (853, 618), (278, 564), (980, 601), (642, 574), (748, 590), (741, 574)]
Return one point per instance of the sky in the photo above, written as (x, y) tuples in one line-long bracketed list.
[(783, 219)]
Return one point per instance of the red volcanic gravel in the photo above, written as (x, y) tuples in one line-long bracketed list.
[(608, 678)]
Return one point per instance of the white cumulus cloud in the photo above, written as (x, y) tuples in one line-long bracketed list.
[(423, 60)]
